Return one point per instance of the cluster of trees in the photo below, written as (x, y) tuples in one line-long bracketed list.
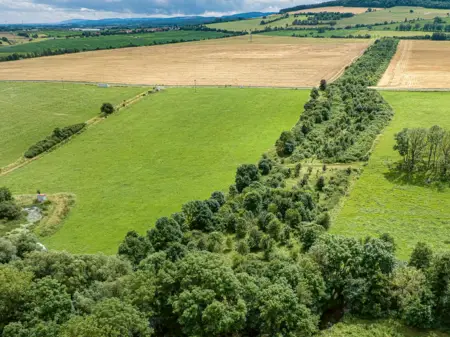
[(321, 18), (54, 139), (178, 280), (425, 150), (265, 21), (9, 210), (255, 262), (341, 121), (438, 25)]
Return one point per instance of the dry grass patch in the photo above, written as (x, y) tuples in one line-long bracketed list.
[(267, 61), (419, 64), (337, 9)]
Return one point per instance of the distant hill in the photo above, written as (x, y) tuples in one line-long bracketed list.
[(442, 4), (178, 21)]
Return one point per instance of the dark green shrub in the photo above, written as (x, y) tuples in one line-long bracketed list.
[(9, 210)]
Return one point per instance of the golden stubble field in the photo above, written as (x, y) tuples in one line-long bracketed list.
[(419, 65), (266, 61)]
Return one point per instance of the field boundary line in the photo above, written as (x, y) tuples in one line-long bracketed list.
[(356, 58), (411, 89), (223, 86), (22, 161)]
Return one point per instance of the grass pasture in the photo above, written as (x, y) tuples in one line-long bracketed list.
[(112, 41), (419, 64), (30, 111), (382, 203), (267, 61), (337, 9), (396, 14), (255, 24), (135, 167)]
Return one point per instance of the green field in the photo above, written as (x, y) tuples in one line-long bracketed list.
[(113, 41), (255, 24), (388, 328), (380, 203), (135, 167), (396, 14), (30, 111), (346, 32)]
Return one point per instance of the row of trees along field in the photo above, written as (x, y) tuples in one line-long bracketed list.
[(255, 262)]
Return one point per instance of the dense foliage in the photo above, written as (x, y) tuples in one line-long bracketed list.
[(425, 151), (255, 262), (57, 137), (339, 124), (8, 207)]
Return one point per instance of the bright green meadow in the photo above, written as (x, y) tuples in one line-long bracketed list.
[(136, 166), (30, 111), (396, 14), (381, 202)]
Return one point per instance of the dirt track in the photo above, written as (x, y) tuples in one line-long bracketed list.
[(267, 61), (417, 65)]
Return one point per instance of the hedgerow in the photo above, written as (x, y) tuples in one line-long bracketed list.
[(254, 262), (57, 137)]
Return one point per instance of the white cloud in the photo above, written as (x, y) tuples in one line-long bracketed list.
[(34, 11)]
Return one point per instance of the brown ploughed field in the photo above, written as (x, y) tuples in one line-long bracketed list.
[(419, 65), (266, 61)]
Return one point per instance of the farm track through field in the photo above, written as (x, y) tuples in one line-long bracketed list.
[(21, 162)]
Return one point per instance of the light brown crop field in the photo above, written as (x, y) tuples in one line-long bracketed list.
[(419, 65), (266, 61), (337, 9)]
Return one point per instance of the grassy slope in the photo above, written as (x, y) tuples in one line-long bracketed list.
[(393, 14), (381, 204), (254, 24), (30, 111), (91, 43), (345, 32), (148, 160)]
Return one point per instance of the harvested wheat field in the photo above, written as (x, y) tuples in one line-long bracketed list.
[(337, 9), (419, 65), (267, 61)]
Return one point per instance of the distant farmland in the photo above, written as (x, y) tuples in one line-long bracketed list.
[(337, 9), (267, 61), (149, 159), (419, 64), (397, 14), (112, 41)]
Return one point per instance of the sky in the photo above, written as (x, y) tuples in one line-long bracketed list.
[(51, 11)]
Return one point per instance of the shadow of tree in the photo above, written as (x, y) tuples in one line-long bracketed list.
[(397, 175)]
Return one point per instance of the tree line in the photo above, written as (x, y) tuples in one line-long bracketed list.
[(425, 150), (340, 123), (256, 261)]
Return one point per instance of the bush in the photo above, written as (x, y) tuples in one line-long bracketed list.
[(107, 108), (9, 210), (57, 137), (5, 194)]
